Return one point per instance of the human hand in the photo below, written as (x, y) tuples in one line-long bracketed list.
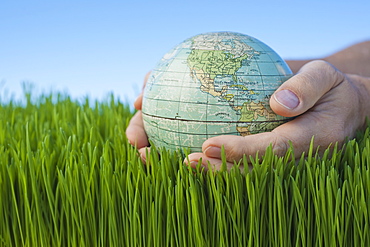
[(330, 106), (135, 132)]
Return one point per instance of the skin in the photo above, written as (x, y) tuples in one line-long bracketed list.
[(330, 104)]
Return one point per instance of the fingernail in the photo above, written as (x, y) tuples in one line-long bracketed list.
[(287, 98), (214, 152)]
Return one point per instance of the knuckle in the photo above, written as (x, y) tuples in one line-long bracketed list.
[(280, 145), (331, 71), (236, 153)]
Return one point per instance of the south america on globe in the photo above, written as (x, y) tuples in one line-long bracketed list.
[(212, 84)]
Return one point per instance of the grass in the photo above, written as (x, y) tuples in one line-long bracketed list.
[(68, 177)]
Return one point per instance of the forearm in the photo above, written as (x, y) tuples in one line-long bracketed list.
[(352, 60)]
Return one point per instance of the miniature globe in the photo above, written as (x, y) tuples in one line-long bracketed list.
[(212, 84)]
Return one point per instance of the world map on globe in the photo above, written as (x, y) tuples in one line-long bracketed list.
[(212, 84)]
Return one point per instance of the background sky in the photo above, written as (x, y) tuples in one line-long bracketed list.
[(92, 48)]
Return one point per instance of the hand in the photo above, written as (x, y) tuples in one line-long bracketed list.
[(135, 132), (330, 106), (333, 107)]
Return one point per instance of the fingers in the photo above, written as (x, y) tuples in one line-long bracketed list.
[(302, 91), (135, 132), (194, 158), (143, 152), (294, 97), (298, 131), (237, 146), (139, 100)]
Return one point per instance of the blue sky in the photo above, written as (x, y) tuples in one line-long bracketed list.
[(96, 47)]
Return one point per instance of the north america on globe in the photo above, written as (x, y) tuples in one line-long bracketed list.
[(212, 84)]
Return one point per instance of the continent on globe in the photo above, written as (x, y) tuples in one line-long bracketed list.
[(212, 84)]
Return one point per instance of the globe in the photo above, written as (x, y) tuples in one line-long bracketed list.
[(212, 84)]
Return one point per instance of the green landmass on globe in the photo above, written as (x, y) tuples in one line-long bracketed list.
[(212, 84)]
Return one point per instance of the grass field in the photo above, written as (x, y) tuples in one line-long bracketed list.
[(68, 177)]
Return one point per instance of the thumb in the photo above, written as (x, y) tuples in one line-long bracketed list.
[(302, 91)]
